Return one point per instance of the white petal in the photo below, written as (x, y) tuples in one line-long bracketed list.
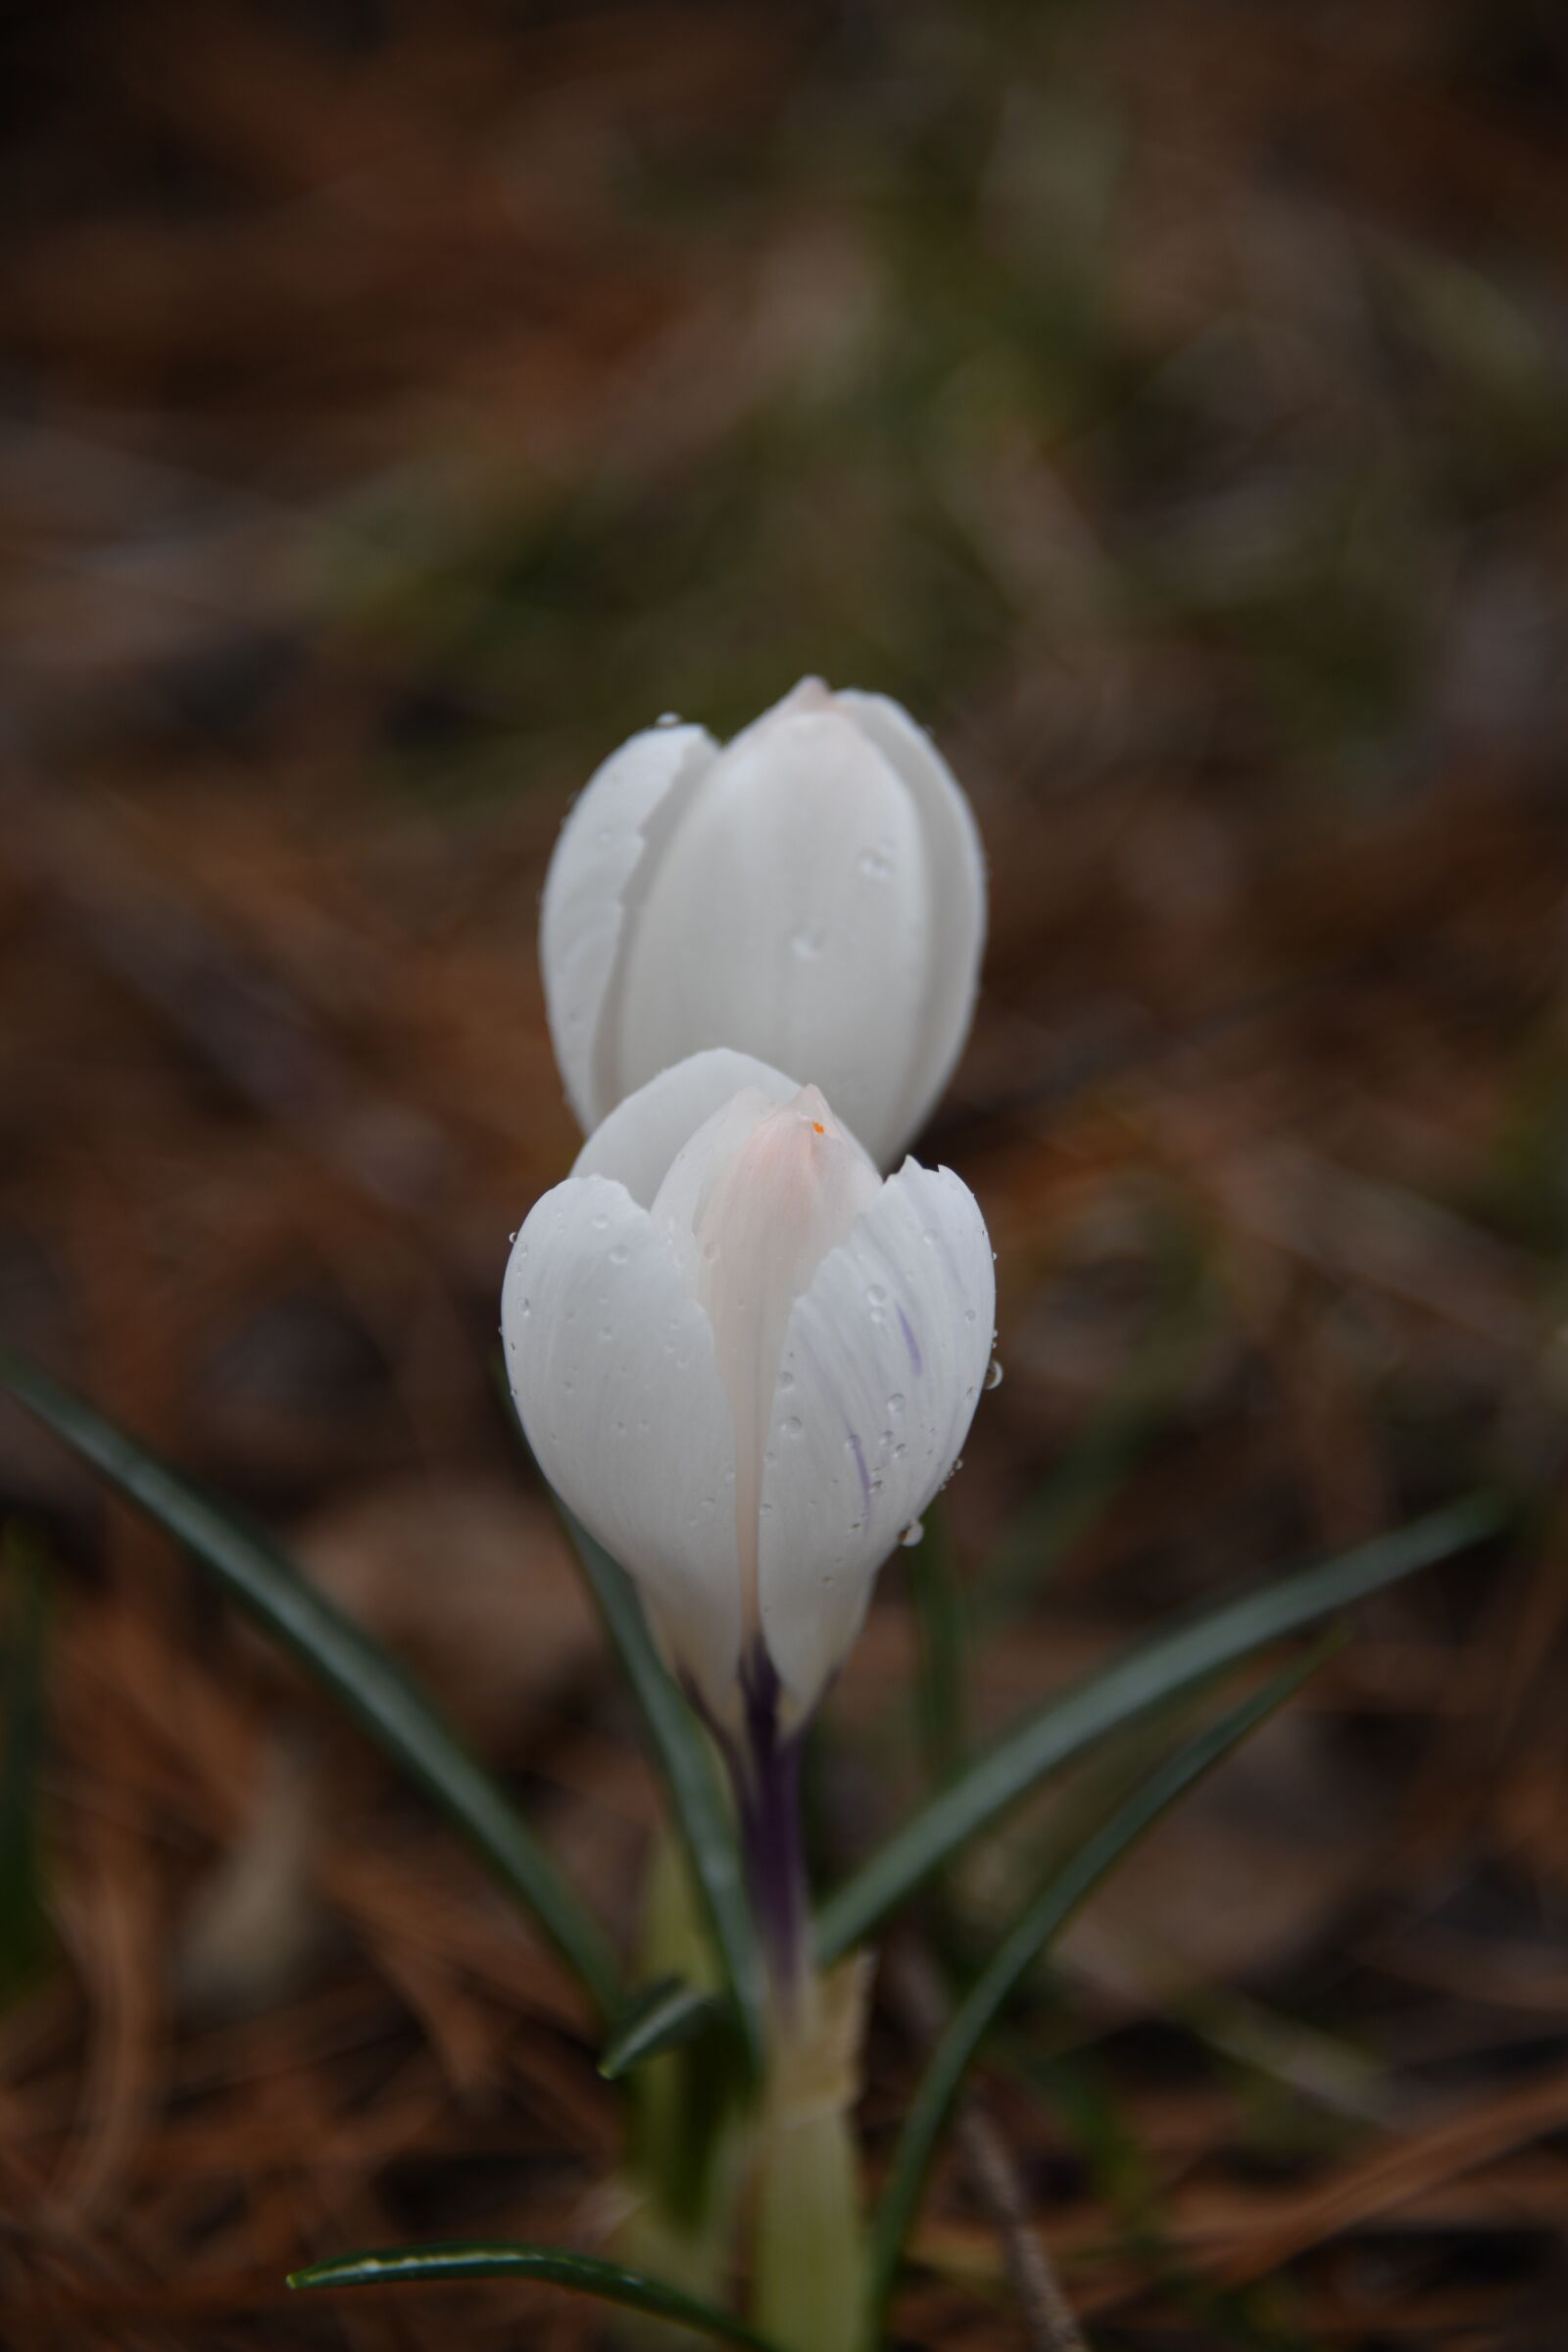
[(595, 874), (788, 914), (751, 1207), (613, 1370), (641, 1136), (955, 863), (883, 1362)]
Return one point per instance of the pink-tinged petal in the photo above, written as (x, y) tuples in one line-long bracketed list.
[(599, 867), (751, 1207), (641, 1137), (614, 1373), (883, 1362)]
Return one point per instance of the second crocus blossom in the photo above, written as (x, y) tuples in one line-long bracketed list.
[(812, 892), (747, 1362)]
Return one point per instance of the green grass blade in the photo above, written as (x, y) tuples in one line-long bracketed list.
[(697, 1800), (382, 1698), (1141, 1678), (666, 2016), (1016, 1955), (580, 2274), (23, 1931)]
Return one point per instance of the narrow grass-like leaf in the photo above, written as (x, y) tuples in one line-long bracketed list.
[(1141, 1678), (377, 1691), (664, 2017), (697, 1800), (943, 1626), (580, 2274), (24, 1934), (1016, 1954)]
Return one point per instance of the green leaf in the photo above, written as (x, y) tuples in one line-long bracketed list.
[(581, 2273), (1015, 1956), (695, 1798), (662, 2017), (23, 1932), (1141, 1678), (381, 1696)]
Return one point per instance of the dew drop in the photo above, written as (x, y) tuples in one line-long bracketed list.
[(792, 1426), (599, 1221), (876, 863), (809, 940), (620, 1254), (512, 1237), (968, 1314), (785, 1380), (667, 719), (993, 1376), (896, 1403), (875, 1294), (913, 1534)]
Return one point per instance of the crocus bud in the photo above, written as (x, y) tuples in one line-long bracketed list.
[(812, 892), (747, 1362)]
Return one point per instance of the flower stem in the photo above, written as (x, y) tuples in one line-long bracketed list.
[(767, 1797)]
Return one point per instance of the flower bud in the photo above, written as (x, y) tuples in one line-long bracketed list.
[(747, 1362), (812, 893)]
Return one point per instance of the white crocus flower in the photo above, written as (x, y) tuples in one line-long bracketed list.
[(812, 892), (747, 1363)]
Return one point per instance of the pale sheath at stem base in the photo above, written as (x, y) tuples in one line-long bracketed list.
[(808, 2265)]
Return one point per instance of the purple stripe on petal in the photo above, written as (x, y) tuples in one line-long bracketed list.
[(865, 1475), (911, 1342)]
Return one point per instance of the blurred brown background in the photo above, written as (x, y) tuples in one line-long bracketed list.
[(1168, 403)]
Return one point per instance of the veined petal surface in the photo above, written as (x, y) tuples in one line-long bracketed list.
[(614, 1373), (883, 1362), (589, 889), (788, 914), (957, 874)]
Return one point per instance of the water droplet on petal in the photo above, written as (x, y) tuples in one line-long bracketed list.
[(875, 1294), (896, 1403), (667, 719), (993, 1376), (785, 1380), (876, 863), (913, 1534), (599, 1220), (809, 940), (620, 1254), (792, 1426)]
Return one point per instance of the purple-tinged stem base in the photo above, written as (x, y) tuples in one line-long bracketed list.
[(767, 1774)]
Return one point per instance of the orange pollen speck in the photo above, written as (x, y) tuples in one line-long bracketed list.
[(817, 1127)]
